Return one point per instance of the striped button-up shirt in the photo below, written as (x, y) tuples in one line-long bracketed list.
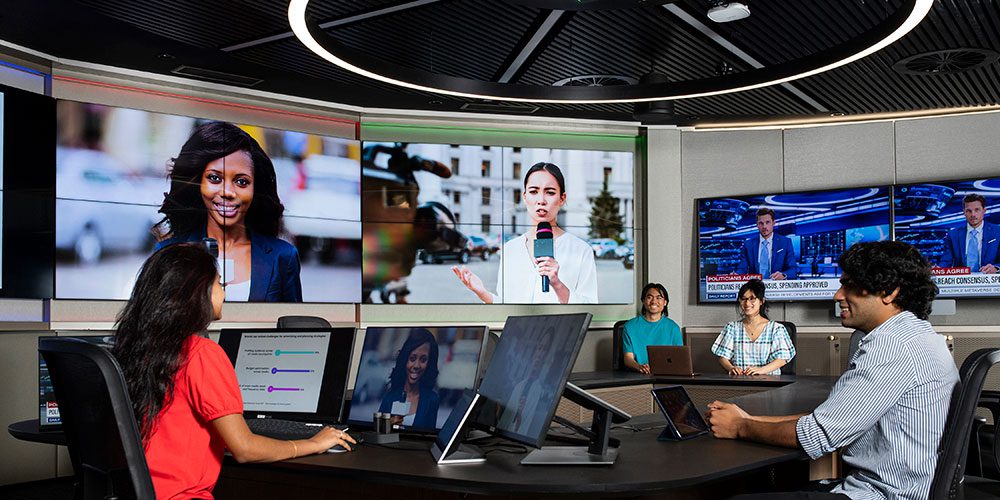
[(887, 412)]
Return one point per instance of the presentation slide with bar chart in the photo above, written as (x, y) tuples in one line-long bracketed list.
[(282, 371)]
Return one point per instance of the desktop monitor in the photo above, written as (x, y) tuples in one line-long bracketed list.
[(295, 373), (440, 362), (526, 377)]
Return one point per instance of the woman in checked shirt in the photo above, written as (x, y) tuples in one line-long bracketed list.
[(754, 345)]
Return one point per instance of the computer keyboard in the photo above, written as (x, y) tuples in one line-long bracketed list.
[(284, 429)]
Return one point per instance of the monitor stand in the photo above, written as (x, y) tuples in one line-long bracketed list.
[(448, 447), (598, 452)]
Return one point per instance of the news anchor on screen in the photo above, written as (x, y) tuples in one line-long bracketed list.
[(223, 186), (526, 276), (974, 244), (769, 254)]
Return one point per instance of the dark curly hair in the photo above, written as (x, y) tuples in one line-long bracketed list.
[(417, 338), (881, 267), (171, 301), (757, 287), (183, 209)]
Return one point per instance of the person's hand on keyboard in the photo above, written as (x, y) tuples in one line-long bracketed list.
[(328, 438)]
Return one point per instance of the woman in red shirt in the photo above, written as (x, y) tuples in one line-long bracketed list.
[(183, 387)]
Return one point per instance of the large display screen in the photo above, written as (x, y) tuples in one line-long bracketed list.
[(448, 223), (803, 236), (956, 225), (283, 206)]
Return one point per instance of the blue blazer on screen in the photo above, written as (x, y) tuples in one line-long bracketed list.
[(954, 246), (782, 256), (274, 267)]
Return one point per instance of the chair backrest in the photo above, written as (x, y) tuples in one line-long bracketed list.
[(302, 322), (789, 369), (854, 343), (954, 447), (97, 418), (617, 349)]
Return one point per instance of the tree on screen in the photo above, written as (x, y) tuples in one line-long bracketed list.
[(605, 218)]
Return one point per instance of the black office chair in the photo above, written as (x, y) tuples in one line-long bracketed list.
[(854, 343), (302, 322), (617, 349), (953, 450), (989, 452), (104, 441), (789, 369)]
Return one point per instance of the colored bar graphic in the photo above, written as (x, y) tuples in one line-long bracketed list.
[(279, 352), (276, 370), (272, 388)]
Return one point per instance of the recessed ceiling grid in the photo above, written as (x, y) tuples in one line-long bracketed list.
[(467, 39), (778, 32), (870, 85), (625, 42)]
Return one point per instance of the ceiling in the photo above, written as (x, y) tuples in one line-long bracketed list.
[(515, 42)]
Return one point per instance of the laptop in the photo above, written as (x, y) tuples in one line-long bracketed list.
[(293, 380), (670, 360)]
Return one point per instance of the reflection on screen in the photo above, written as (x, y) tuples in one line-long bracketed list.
[(525, 379), (679, 409), (415, 374)]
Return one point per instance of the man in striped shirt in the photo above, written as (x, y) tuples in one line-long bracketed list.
[(887, 412)]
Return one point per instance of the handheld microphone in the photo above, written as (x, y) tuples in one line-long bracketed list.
[(543, 247)]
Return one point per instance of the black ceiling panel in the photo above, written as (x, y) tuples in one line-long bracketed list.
[(478, 39)]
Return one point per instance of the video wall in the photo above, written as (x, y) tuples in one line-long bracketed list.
[(793, 240), (451, 223), (283, 206), (299, 217)]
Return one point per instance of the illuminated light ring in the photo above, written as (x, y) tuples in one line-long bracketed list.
[(982, 186), (904, 19), (771, 201)]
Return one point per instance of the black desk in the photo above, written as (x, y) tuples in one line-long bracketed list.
[(645, 466)]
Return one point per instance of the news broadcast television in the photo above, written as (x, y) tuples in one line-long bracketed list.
[(394, 357), (527, 374), (291, 373), (428, 207), (935, 218), (811, 230), (111, 179)]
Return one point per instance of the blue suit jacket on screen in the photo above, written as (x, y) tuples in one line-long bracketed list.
[(782, 256), (954, 252), (274, 267)]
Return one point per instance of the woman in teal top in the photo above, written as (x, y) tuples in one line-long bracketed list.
[(652, 327)]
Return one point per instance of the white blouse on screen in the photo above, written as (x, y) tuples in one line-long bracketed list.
[(518, 281)]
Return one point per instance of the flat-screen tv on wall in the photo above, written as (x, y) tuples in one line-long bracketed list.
[(803, 236), (283, 206), (956, 226), (453, 223)]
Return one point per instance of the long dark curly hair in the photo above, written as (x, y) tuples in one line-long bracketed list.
[(171, 301), (880, 267), (417, 338), (184, 210)]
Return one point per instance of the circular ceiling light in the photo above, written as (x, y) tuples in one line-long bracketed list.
[(904, 19)]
